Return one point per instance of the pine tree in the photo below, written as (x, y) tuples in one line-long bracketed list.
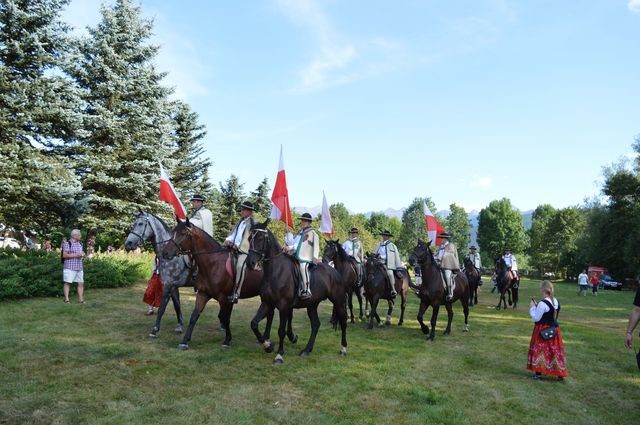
[(261, 199), (190, 174), (127, 119), (414, 226), (458, 226), (228, 207), (39, 110)]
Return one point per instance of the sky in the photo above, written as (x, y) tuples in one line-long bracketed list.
[(379, 102)]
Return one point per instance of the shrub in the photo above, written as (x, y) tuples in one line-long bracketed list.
[(34, 273)]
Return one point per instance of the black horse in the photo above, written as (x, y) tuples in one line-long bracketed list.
[(347, 267), (473, 276), (376, 287), (505, 284), (432, 292), (281, 283)]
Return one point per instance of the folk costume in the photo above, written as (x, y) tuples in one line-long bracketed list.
[(390, 257), (239, 241), (511, 263), (449, 264), (201, 217), (353, 248), (306, 249), (474, 256), (546, 356)]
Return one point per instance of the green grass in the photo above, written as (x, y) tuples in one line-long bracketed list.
[(94, 363)]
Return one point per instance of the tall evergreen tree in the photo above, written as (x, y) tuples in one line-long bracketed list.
[(228, 207), (261, 199), (127, 119), (500, 226), (190, 173), (39, 109), (540, 248), (413, 225)]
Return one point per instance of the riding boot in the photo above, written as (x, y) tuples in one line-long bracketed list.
[(233, 298), (305, 293)]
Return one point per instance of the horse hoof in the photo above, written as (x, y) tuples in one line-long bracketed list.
[(269, 347), (369, 326), (278, 360), (294, 339), (400, 323), (178, 329), (465, 329), (226, 345), (183, 347), (387, 323), (152, 335), (343, 351), (304, 353)]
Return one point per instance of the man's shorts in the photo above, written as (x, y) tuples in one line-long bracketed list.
[(69, 276)]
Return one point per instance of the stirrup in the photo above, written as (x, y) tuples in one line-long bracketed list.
[(233, 298), (306, 294)]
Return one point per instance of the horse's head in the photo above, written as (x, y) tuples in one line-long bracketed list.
[(371, 261), (259, 245), (421, 253), (181, 240), (141, 231), (330, 252), (468, 264), (500, 264)]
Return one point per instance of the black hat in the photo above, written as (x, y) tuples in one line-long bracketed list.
[(473, 247), (507, 249), (247, 205), (444, 235), (197, 198), (386, 233), (306, 216), (353, 230)]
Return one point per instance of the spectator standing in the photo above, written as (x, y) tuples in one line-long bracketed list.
[(72, 270), (583, 284), (594, 284)]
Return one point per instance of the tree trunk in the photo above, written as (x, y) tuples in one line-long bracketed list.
[(90, 245)]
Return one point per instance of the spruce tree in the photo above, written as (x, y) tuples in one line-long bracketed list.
[(228, 207), (39, 112), (127, 120), (261, 199)]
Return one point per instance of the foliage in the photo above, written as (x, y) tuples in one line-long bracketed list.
[(540, 249), (500, 227), (261, 198), (413, 225), (36, 273), (458, 226), (228, 207)]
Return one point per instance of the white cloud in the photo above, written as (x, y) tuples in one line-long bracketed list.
[(336, 58), (634, 6), (481, 182)]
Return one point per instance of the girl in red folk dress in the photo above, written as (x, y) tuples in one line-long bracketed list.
[(153, 295), (546, 356)]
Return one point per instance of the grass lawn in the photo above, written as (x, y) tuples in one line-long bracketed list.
[(70, 363)]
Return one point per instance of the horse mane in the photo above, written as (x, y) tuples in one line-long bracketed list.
[(207, 236), (162, 223), (342, 254)]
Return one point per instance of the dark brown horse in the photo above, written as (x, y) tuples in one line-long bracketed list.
[(505, 284), (281, 282), (473, 277), (214, 279), (346, 266), (376, 287), (432, 292)]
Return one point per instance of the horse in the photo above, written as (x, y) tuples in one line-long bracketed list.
[(473, 277), (505, 284), (281, 282), (214, 278), (346, 266), (432, 292), (174, 273), (376, 288)]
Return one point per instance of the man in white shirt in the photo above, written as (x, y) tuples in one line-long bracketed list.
[(353, 248), (390, 258), (306, 248), (583, 283), (238, 241), (200, 216)]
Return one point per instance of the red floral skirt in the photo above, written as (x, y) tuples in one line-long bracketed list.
[(546, 356), (153, 294)]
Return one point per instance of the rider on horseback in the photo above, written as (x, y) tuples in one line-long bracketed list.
[(353, 248), (306, 248), (238, 241), (390, 257), (200, 216), (447, 258), (511, 263), (474, 256)]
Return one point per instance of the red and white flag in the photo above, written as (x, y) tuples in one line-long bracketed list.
[(168, 194), (326, 224), (280, 197), (433, 227)]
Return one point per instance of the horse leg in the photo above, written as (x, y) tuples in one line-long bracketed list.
[(423, 307), (500, 300), (387, 322), (359, 295), (449, 308), (292, 337), (434, 319), (263, 310), (510, 302), (350, 300), (282, 330), (367, 313), (465, 310), (312, 312), (476, 294), (373, 314), (175, 298), (403, 304), (515, 297), (201, 301), (225, 319), (166, 294)]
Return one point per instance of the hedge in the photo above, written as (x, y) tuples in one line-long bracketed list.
[(37, 273)]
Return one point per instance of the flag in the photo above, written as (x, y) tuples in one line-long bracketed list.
[(326, 224), (168, 194), (280, 197), (433, 227)]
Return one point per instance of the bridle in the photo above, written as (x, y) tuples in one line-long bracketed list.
[(141, 238), (181, 251), (261, 251)]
